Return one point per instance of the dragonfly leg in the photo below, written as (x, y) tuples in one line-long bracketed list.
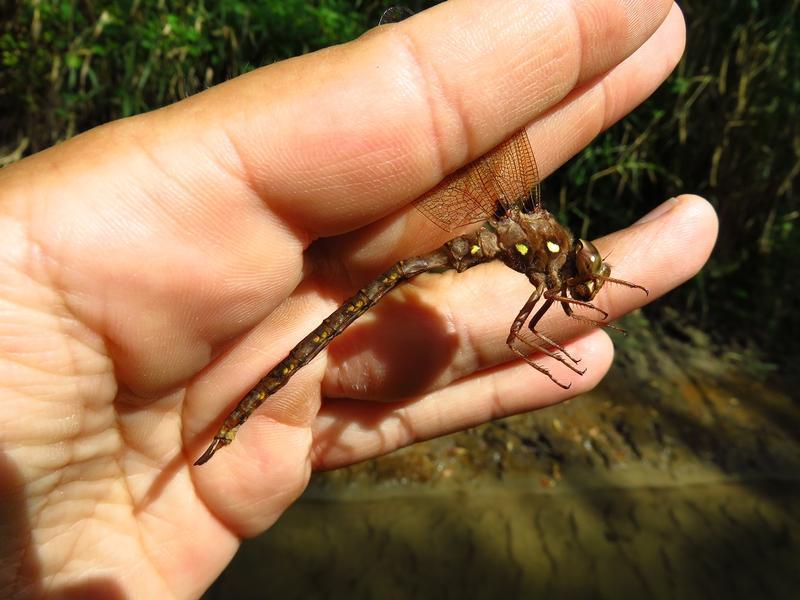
[(560, 297), (532, 326), (514, 335), (526, 309), (622, 282), (571, 314)]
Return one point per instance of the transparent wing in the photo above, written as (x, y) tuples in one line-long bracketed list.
[(504, 177), (462, 198), (394, 14), (517, 174)]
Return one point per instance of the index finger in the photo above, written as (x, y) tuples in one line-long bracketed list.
[(336, 139)]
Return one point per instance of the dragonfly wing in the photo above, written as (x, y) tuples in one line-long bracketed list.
[(514, 167), (506, 175), (395, 14), (455, 202)]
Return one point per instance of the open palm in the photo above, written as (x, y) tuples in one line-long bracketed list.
[(153, 269)]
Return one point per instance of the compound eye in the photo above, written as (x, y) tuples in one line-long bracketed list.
[(587, 258)]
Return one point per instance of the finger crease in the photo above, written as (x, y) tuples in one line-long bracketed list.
[(432, 84)]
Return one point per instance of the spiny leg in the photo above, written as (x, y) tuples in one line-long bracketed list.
[(571, 314), (544, 370), (560, 297), (595, 277), (532, 326), (514, 334), (544, 350), (622, 282)]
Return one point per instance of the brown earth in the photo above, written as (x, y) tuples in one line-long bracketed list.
[(679, 476)]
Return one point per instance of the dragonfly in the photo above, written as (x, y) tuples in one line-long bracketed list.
[(502, 190)]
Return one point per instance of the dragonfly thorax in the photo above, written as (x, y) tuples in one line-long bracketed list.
[(533, 242)]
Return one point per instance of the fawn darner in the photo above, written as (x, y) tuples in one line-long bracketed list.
[(503, 187)]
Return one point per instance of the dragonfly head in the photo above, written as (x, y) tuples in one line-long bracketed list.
[(590, 271)]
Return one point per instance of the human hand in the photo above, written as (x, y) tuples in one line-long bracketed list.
[(154, 268)]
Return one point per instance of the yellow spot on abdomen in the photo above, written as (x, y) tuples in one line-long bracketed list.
[(475, 249), (553, 247), (521, 248)]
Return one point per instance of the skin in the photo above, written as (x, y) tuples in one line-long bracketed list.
[(154, 268)]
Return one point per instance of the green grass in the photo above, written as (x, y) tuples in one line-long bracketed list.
[(71, 65)]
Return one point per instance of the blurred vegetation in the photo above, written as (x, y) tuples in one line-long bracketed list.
[(70, 65), (725, 125)]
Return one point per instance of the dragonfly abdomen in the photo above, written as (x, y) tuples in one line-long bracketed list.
[(445, 257)]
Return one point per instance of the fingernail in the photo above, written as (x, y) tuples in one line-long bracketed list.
[(658, 211)]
